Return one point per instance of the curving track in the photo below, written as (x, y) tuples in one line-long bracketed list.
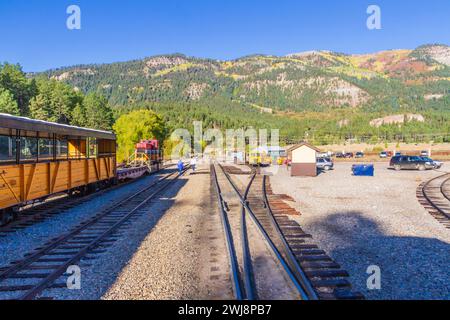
[(434, 195), (40, 270), (311, 273)]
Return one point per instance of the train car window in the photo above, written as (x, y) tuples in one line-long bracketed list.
[(77, 148), (8, 149), (45, 149), (28, 148), (93, 149), (62, 149), (106, 148)]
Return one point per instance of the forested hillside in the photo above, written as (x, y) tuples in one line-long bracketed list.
[(326, 96), (51, 100), (326, 93)]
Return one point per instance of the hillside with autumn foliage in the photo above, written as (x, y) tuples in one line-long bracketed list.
[(329, 93)]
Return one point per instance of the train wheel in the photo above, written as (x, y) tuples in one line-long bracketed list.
[(3, 218), (91, 188), (80, 191), (6, 216), (71, 193)]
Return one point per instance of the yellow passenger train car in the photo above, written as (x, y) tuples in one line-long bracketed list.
[(39, 159)]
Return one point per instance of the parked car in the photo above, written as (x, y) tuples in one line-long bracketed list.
[(340, 155), (324, 155), (410, 163), (436, 164), (398, 154), (349, 155), (383, 154), (325, 164), (424, 153), (359, 155), (389, 154)]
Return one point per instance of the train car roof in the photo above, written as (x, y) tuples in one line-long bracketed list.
[(22, 123)]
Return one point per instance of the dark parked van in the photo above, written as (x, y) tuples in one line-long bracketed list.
[(410, 163)]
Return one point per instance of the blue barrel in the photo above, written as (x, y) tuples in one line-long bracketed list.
[(365, 170)]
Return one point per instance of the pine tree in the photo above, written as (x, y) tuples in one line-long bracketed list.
[(55, 101), (13, 79), (97, 112), (7, 103), (79, 116), (40, 108)]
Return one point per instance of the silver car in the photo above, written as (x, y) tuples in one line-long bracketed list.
[(436, 164), (324, 164)]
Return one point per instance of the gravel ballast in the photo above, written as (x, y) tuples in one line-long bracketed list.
[(173, 248), (184, 255), (271, 280), (365, 221)]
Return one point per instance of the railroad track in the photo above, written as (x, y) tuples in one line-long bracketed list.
[(41, 269), (434, 195), (40, 212), (311, 272)]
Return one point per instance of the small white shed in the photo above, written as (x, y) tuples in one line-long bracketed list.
[(304, 160)]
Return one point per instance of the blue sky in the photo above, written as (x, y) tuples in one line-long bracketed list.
[(34, 32)]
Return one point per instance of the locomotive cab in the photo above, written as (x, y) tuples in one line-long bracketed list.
[(150, 150)]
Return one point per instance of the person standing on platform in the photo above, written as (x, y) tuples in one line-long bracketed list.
[(180, 166), (194, 164)]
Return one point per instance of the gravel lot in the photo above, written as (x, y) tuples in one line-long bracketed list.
[(363, 221)]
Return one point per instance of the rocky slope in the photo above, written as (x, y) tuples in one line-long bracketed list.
[(304, 81)]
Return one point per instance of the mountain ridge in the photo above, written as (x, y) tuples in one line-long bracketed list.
[(303, 87)]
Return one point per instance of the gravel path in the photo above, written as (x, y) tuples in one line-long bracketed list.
[(363, 221)]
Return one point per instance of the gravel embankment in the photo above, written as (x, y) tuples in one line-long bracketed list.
[(363, 221)]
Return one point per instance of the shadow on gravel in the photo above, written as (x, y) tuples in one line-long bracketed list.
[(322, 171), (411, 267), (102, 272)]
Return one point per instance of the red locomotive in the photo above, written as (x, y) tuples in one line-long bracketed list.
[(146, 158), (149, 149)]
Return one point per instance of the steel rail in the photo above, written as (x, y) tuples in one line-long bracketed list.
[(296, 268), (72, 201), (248, 276), (35, 256), (59, 270), (237, 288), (275, 251), (447, 196), (424, 193), (31, 294), (249, 279)]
